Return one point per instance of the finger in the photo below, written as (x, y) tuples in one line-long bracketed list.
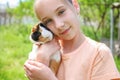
[(28, 74), (29, 77), (32, 65), (28, 66), (27, 71), (36, 64), (38, 44)]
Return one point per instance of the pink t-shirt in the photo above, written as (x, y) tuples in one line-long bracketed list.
[(91, 61)]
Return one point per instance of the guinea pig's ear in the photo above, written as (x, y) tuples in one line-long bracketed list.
[(35, 28)]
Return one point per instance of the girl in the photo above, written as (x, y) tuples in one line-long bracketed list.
[(82, 57)]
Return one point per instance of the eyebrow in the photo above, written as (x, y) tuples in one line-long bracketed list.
[(59, 7)]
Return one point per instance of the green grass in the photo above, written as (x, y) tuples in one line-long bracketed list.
[(117, 61), (14, 49)]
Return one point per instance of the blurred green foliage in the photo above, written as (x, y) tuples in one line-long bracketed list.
[(25, 8), (14, 49), (98, 11)]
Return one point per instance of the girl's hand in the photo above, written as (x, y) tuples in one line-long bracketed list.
[(45, 51), (38, 71)]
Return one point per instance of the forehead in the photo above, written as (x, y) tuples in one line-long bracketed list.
[(44, 7), (49, 3)]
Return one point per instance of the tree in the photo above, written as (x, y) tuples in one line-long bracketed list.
[(25, 8), (98, 10)]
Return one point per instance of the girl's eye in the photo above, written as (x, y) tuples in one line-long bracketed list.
[(47, 21), (61, 12)]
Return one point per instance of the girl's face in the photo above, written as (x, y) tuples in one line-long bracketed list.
[(59, 17)]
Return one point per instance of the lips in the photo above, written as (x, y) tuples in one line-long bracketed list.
[(65, 31)]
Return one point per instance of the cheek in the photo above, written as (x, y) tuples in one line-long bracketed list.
[(52, 28), (71, 18)]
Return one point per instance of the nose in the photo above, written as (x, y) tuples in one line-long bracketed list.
[(35, 36), (59, 23)]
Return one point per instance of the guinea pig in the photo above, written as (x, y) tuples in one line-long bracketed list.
[(40, 34)]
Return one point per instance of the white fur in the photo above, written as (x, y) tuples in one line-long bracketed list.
[(56, 56), (33, 53), (46, 34)]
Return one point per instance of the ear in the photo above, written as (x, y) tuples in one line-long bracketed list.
[(76, 5), (35, 28)]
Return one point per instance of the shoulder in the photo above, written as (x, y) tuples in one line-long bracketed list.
[(102, 51), (103, 66), (100, 47)]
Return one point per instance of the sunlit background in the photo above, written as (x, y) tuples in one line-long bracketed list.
[(17, 17), (12, 3)]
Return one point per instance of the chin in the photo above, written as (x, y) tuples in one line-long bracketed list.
[(70, 37)]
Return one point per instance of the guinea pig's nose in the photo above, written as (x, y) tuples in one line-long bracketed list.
[(35, 35)]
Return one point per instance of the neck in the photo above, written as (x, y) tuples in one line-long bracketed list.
[(70, 45)]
